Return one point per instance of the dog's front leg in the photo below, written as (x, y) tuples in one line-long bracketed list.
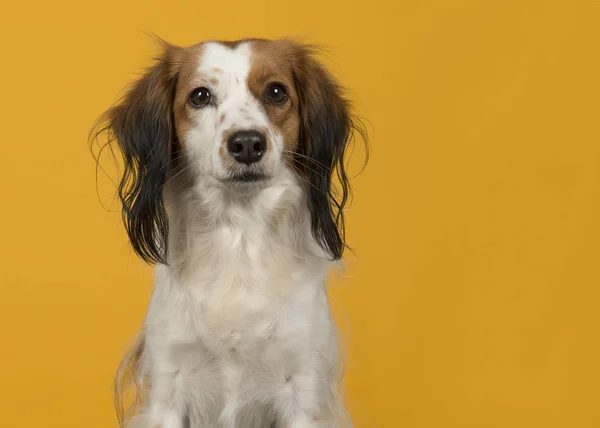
[(300, 407), (232, 377), (166, 408)]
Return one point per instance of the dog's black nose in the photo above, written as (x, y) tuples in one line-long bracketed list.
[(247, 146)]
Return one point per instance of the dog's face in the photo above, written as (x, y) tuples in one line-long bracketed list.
[(236, 109), (233, 115)]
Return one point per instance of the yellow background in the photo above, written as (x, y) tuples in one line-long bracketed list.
[(474, 299)]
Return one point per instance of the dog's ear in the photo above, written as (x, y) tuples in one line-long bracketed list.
[(142, 126), (326, 129)]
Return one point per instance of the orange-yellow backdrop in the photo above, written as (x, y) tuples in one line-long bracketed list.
[(474, 298)]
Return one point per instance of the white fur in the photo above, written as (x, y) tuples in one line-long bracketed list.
[(238, 332)]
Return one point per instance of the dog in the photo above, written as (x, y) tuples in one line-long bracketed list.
[(234, 184)]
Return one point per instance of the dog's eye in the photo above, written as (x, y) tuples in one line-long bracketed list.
[(275, 94), (200, 97)]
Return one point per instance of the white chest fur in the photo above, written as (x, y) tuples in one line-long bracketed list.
[(239, 308), (239, 319), (240, 268)]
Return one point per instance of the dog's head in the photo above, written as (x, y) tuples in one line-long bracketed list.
[(232, 114)]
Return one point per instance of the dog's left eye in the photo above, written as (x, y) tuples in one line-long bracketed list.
[(276, 94)]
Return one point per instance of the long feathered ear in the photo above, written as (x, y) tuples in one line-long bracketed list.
[(142, 126), (326, 130)]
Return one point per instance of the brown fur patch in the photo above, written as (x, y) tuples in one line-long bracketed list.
[(187, 81), (231, 44), (213, 81), (273, 62)]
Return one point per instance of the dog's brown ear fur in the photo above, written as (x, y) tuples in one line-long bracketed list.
[(142, 126), (327, 129)]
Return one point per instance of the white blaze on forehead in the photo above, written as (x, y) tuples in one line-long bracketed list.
[(230, 68), (231, 62)]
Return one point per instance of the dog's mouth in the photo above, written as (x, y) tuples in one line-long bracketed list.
[(247, 177)]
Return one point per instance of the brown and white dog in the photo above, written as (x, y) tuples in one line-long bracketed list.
[(229, 151)]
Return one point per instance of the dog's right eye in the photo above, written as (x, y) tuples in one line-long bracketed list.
[(200, 97)]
